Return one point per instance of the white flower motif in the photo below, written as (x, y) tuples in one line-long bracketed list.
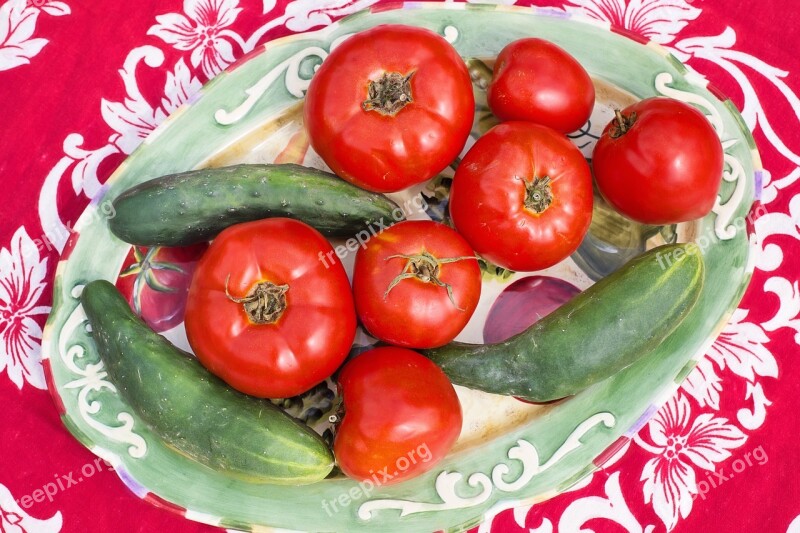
[(22, 275), (17, 24), (203, 32), (14, 519), (302, 15), (741, 348), (135, 118), (658, 20), (770, 255), (611, 507), (680, 444), (788, 314), (51, 7), (703, 384)]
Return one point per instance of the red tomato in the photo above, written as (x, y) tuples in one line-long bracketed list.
[(659, 162), (265, 314), (416, 284), (402, 416), (155, 281), (536, 81), (390, 107), (522, 196)]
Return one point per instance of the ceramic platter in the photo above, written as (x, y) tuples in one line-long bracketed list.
[(510, 453)]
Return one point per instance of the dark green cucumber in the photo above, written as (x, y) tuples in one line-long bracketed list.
[(191, 410), (606, 328), (195, 206)]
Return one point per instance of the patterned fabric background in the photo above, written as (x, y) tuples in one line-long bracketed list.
[(83, 83)]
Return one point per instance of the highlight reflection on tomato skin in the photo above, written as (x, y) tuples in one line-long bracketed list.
[(309, 340), (401, 415)]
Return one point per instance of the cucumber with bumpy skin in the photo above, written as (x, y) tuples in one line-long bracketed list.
[(189, 207), (612, 324), (194, 412)]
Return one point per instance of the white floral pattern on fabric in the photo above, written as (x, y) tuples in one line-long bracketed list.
[(207, 31), (740, 347), (22, 281), (703, 384), (201, 30), (658, 20), (13, 519), (306, 14), (611, 506), (135, 118), (17, 24), (680, 443)]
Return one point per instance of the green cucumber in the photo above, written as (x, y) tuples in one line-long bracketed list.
[(189, 207), (612, 324), (194, 412)]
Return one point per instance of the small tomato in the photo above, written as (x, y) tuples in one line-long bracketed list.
[(536, 81)]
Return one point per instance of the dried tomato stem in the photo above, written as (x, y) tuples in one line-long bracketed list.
[(389, 94), (621, 124), (264, 304), (538, 194), (424, 267)]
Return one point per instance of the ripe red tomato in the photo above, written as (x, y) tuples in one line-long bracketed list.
[(390, 107), (416, 284), (536, 81), (265, 314), (401, 416), (659, 162), (522, 196), (155, 281)]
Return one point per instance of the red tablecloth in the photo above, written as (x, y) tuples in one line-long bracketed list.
[(77, 96)]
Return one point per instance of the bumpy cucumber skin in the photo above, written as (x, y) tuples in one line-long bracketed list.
[(606, 328), (194, 206), (194, 412)]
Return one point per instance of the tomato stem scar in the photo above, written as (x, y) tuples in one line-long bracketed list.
[(424, 267), (621, 124), (389, 94), (264, 304), (538, 194)]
